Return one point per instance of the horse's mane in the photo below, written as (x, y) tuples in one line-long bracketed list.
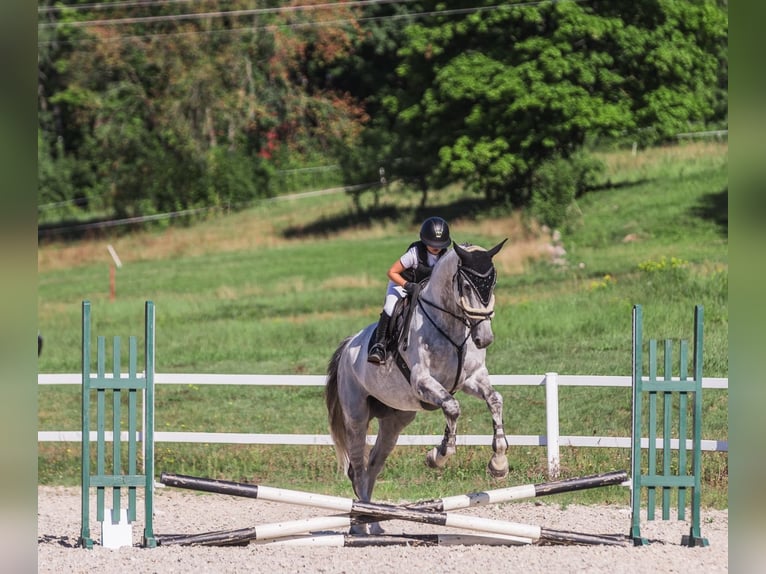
[(445, 266)]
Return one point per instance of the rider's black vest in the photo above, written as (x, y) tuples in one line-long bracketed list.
[(422, 270)]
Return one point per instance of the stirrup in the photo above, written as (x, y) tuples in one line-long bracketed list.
[(377, 354)]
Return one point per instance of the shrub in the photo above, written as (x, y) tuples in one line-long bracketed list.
[(557, 183)]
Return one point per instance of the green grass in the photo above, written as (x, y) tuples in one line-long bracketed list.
[(274, 289)]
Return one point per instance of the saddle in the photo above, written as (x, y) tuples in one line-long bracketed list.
[(399, 324)]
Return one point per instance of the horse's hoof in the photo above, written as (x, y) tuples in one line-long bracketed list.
[(498, 470), (434, 460)]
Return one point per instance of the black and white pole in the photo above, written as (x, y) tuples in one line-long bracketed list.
[(342, 504), (246, 535), (522, 492)]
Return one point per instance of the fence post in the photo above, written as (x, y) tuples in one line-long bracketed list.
[(552, 423)]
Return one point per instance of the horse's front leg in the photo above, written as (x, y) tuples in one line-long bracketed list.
[(438, 455), (498, 464), (480, 387), (433, 393)]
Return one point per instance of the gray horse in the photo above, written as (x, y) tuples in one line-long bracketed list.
[(443, 352)]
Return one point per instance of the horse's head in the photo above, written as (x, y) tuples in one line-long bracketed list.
[(476, 278)]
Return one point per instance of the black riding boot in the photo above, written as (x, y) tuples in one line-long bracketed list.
[(378, 352)]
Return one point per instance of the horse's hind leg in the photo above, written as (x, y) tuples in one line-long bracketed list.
[(389, 428), (356, 441)]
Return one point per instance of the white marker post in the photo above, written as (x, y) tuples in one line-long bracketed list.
[(112, 274)]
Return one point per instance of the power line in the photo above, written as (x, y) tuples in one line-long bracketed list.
[(111, 5), (309, 23), (256, 11), (50, 231), (219, 14)]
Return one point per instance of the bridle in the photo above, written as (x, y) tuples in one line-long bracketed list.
[(483, 285)]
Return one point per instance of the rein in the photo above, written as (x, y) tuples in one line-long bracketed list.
[(450, 313), (459, 348)]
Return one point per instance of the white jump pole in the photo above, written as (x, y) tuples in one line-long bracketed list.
[(296, 533), (351, 541)]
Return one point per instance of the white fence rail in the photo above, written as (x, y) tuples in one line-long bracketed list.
[(551, 440)]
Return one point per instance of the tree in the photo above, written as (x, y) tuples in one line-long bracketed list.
[(491, 97), (369, 75), (168, 110)]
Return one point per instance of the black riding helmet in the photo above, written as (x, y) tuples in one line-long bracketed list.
[(435, 233)]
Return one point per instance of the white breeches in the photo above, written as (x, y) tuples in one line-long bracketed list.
[(393, 294)]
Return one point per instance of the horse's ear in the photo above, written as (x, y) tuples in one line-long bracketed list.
[(461, 253), (492, 252)]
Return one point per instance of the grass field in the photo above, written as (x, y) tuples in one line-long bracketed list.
[(275, 288)]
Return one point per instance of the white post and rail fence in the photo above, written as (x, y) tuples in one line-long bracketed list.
[(552, 440)]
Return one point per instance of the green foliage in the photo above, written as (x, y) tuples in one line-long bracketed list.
[(674, 279), (135, 119), (504, 116), (236, 179), (663, 266), (55, 173), (557, 183), (183, 113)]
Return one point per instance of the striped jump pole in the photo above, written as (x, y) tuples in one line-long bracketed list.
[(351, 540), (242, 537), (259, 533), (295, 533), (511, 533), (378, 512), (521, 492), (495, 496), (360, 541)]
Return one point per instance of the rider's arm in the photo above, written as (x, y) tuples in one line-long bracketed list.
[(395, 273)]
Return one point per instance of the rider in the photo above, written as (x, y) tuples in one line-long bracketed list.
[(411, 268)]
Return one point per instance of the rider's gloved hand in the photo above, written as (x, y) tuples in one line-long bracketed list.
[(410, 287)]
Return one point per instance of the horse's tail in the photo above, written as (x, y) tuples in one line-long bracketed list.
[(334, 408)]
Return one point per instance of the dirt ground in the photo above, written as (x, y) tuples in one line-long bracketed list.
[(180, 511)]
